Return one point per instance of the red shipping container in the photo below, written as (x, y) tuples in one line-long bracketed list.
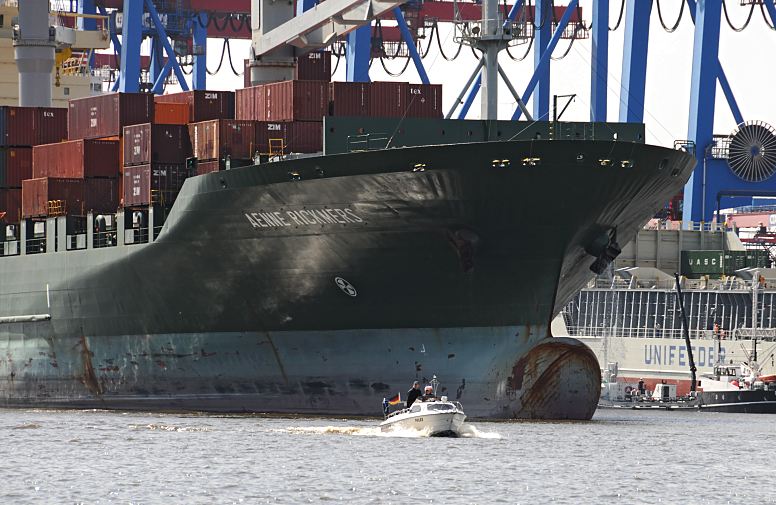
[(50, 125), (156, 143), (314, 66), (203, 105), (387, 99), (249, 103), (10, 206), (77, 159), (171, 113), (101, 196), (15, 166), (349, 98), (37, 193), (424, 100), (217, 139), (17, 126), (296, 137), (206, 167), (106, 115), (296, 100), (153, 183)]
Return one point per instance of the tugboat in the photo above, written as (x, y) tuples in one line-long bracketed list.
[(432, 415)]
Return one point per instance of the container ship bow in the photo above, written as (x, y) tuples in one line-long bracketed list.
[(319, 285)]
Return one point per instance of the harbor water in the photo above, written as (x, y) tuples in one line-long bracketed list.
[(621, 456)]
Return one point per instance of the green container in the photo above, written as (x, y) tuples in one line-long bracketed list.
[(698, 263), (734, 260), (756, 258)]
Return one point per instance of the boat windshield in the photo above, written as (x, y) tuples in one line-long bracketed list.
[(440, 406)]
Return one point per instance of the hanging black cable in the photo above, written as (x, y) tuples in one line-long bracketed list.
[(442, 52), (730, 24), (673, 28), (544, 19), (619, 18), (229, 55), (765, 16), (215, 23), (571, 43), (428, 46), (527, 51), (406, 64), (221, 62)]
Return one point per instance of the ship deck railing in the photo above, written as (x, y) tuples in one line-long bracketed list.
[(618, 283), (765, 334)]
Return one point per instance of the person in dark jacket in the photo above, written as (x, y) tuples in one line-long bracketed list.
[(413, 393)]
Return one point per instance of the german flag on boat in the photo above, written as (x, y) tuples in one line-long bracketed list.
[(395, 400)]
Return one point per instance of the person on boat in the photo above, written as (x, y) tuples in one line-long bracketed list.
[(428, 394), (641, 387), (413, 393)]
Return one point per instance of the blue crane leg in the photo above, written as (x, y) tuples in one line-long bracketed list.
[(545, 60), (132, 37), (634, 60), (357, 54), (542, 35), (599, 71), (705, 69), (407, 36)]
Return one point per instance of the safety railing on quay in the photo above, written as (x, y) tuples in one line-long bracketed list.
[(766, 334)]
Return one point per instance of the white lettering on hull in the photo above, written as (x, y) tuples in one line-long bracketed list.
[(310, 217)]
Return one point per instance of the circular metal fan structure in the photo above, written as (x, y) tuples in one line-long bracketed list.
[(752, 151)]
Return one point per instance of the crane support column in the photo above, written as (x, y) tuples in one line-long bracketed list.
[(199, 29), (634, 60), (34, 53), (357, 54), (542, 33), (705, 68), (599, 70), (407, 36), (87, 7), (131, 38)]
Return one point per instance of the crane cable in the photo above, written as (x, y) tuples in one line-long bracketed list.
[(765, 16), (673, 28), (527, 51), (730, 24), (619, 18)]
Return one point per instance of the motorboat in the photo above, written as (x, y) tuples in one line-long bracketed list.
[(434, 416)]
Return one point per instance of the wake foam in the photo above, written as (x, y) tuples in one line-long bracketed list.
[(468, 431), (168, 427)]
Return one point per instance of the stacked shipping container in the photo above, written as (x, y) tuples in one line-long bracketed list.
[(203, 105), (20, 129), (154, 163), (221, 138)]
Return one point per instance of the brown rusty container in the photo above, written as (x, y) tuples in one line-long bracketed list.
[(101, 195), (424, 100), (10, 205), (387, 99), (171, 113), (203, 105), (206, 167), (314, 66), (66, 195), (15, 166), (17, 126), (106, 115), (212, 140), (249, 103), (296, 137), (156, 143), (296, 100), (154, 183), (349, 98), (77, 159), (50, 125)]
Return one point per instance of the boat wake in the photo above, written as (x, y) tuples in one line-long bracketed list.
[(168, 427), (469, 431)]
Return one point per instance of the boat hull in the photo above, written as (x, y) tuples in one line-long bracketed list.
[(440, 424), (323, 284)]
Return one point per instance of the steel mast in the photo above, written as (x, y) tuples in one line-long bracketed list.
[(34, 44)]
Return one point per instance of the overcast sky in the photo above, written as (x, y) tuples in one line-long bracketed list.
[(747, 58)]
